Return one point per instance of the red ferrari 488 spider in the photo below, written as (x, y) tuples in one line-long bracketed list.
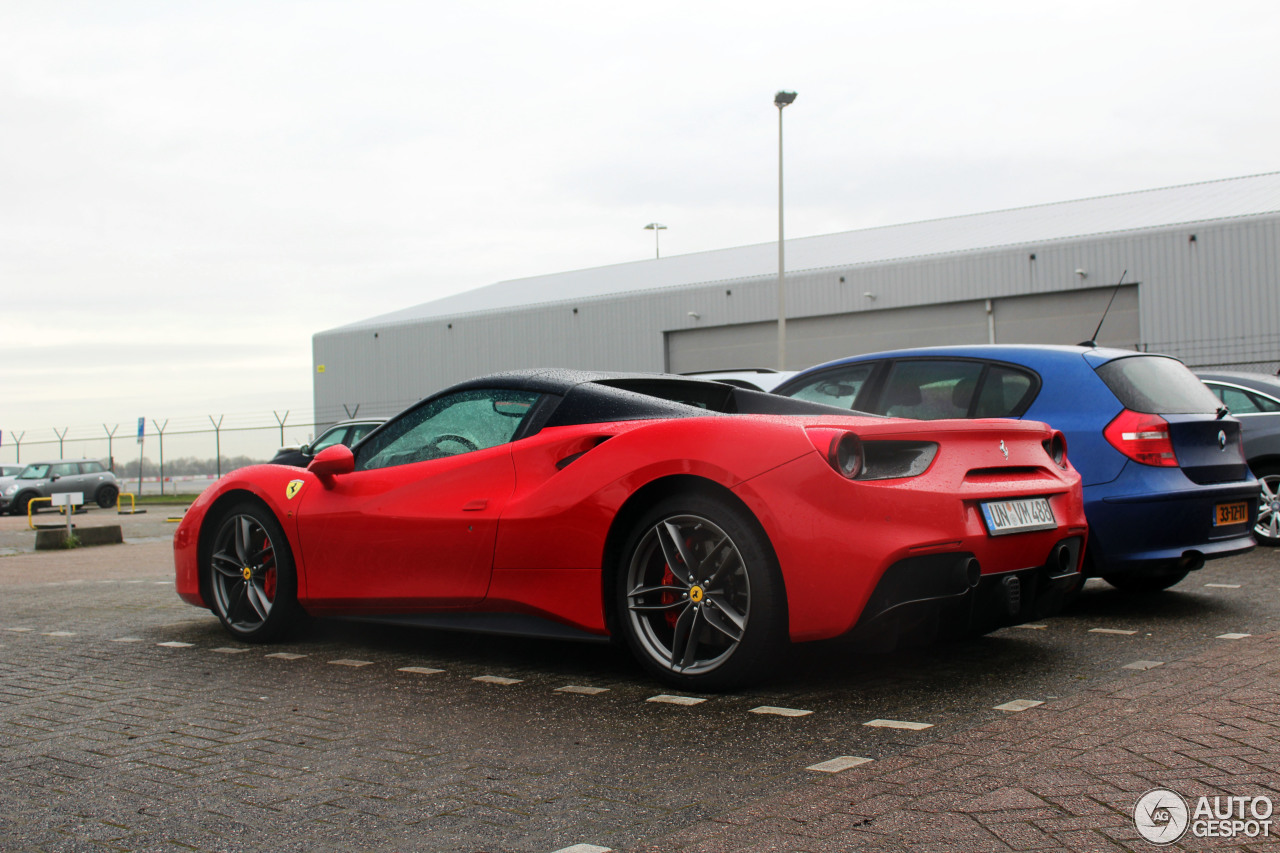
[(705, 525)]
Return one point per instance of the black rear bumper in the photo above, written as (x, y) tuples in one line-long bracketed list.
[(946, 594)]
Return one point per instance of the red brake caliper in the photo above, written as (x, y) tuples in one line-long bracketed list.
[(269, 581), (668, 579)]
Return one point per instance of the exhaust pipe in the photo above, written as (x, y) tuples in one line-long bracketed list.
[(973, 572)]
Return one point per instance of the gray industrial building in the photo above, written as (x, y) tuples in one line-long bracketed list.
[(1202, 283)]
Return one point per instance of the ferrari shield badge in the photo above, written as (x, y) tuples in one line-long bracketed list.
[(292, 489)]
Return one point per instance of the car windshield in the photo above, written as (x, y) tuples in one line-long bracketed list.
[(1157, 385), (35, 472)]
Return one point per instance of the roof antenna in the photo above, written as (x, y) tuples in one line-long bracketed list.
[(1093, 341)]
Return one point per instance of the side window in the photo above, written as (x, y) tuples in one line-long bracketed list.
[(91, 468), (930, 389), (65, 469), (359, 431), (837, 387), (1265, 404), (448, 426), (330, 438), (1239, 402), (1003, 392)]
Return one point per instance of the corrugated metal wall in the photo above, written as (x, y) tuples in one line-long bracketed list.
[(1214, 300)]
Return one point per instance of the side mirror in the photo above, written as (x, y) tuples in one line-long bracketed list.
[(332, 461), (53, 478), (305, 450)]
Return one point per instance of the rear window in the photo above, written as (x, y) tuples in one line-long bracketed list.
[(838, 387), (1157, 385)]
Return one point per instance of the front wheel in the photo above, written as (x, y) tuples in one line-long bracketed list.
[(700, 599), (1267, 530), (251, 575)]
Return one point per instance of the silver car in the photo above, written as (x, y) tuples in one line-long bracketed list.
[(1254, 400), (57, 476)]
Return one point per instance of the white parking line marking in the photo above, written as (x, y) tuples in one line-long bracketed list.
[(350, 662), (162, 583), (127, 640), (1036, 627), (285, 656), (582, 691), (836, 765), (174, 644), (1119, 631), (898, 724), (668, 699), (780, 712), (1018, 705), (1233, 636), (1223, 585), (420, 670), (496, 679), (584, 848), (227, 650), (57, 633), (19, 630), (1143, 665)]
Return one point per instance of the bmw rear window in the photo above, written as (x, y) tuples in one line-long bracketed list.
[(1157, 385)]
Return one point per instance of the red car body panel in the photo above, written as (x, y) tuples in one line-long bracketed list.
[(525, 527)]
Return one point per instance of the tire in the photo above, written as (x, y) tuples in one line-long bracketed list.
[(107, 496), (1267, 530), (719, 626), (21, 502), (1156, 581), (252, 581)]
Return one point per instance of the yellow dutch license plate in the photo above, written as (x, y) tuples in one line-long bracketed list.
[(1236, 513)]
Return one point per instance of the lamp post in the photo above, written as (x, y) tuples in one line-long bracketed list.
[(655, 227), (781, 100)]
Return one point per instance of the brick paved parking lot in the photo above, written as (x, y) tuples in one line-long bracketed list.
[(130, 721)]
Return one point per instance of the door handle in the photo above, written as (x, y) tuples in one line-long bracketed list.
[(475, 505)]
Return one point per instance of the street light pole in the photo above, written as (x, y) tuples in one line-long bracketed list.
[(780, 100), (655, 227)]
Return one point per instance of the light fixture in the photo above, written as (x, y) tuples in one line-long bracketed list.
[(870, 295), (655, 227), (1082, 273), (695, 315), (780, 100)]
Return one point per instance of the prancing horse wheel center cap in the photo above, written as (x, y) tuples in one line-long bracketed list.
[(247, 572), (696, 595)]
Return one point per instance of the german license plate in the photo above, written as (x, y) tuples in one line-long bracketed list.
[(1018, 516), (1235, 513)]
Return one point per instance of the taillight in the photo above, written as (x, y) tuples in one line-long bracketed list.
[(1143, 438), (842, 449), (855, 459), (1056, 447)]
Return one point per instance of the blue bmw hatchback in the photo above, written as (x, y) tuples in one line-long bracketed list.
[(1166, 485)]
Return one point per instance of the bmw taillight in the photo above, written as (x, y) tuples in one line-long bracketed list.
[(1143, 438)]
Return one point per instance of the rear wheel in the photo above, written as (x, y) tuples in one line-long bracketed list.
[(107, 496), (251, 575), (700, 599), (1154, 581), (1267, 530)]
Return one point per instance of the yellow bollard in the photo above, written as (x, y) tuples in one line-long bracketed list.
[(31, 523), (133, 503)]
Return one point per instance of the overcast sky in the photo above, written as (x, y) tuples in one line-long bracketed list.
[(189, 191)]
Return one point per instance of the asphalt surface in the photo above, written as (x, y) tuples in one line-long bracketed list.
[(131, 721)]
